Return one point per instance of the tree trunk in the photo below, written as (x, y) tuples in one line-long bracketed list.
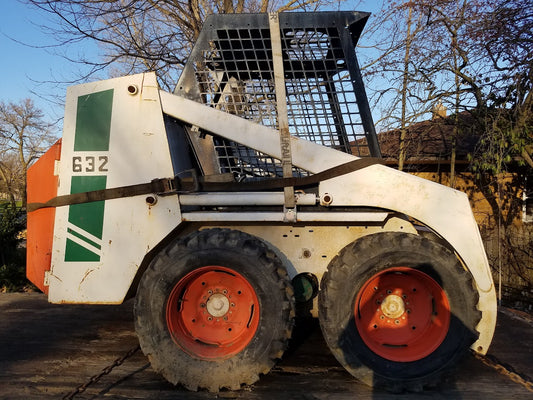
[(405, 82)]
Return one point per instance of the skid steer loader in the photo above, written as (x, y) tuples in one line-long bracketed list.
[(253, 189)]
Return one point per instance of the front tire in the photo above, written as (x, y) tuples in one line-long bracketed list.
[(214, 310), (397, 310)]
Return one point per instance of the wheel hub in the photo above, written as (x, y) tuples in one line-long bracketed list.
[(393, 306), (402, 314), (217, 305), (212, 313)]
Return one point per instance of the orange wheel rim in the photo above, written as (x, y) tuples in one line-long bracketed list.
[(212, 313), (402, 314)]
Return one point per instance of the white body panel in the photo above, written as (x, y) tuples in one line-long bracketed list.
[(138, 153)]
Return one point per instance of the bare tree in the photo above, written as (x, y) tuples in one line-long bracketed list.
[(400, 79), (144, 35), (507, 39), (451, 23), (469, 56), (10, 177), (405, 86), (24, 136)]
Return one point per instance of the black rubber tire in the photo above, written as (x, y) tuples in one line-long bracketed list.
[(353, 267), (243, 254)]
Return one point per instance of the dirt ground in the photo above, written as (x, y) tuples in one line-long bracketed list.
[(47, 351)]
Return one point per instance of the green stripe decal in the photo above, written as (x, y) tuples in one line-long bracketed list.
[(93, 121), (85, 239), (86, 221), (87, 218), (75, 252)]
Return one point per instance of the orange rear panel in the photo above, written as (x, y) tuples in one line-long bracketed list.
[(42, 186)]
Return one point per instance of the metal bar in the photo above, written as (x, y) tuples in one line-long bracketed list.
[(281, 104), (360, 94), (244, 199), (258, 216)]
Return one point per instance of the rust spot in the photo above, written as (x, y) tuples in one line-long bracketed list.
[(85, 276)]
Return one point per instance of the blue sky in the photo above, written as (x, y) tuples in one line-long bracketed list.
[(20, 62), (28, 65)]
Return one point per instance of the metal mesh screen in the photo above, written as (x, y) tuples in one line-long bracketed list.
[(236, 77), (233, 70), (320, 96)]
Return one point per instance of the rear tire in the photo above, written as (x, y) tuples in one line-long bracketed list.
[(397, 310), (214, 310)]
